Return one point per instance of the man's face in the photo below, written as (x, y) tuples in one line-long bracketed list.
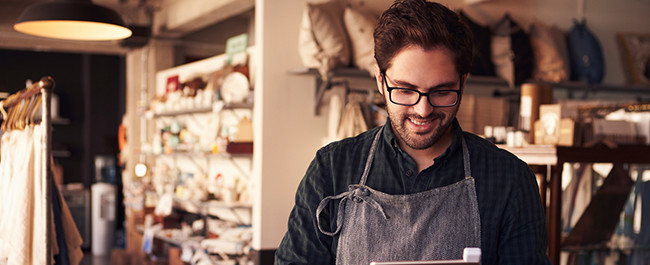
[(422, 125)]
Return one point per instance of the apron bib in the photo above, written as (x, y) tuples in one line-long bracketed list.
[(430, 225)]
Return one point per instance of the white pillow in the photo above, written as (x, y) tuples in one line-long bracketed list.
[(322, 41), (360, 27)]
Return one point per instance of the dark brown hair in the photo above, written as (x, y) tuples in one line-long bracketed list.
[(425, 24)]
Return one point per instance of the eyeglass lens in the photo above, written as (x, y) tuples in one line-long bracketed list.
[(436, 98)]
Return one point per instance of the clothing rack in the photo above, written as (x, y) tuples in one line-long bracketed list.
[(11, 109)]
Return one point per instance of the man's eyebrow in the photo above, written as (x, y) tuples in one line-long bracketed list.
[(405, 84)]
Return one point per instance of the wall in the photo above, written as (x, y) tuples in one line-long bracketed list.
[(289, 131), (284, 119)]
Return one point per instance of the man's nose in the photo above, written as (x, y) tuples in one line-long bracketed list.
[(423, 107)]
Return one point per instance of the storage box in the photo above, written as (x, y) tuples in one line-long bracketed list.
[(239, 148)]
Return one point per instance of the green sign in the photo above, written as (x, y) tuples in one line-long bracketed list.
[(236, 45)]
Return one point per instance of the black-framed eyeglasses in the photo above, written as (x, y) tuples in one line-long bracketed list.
[(410, 97)]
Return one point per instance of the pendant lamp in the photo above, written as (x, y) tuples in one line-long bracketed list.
[(72, 20)]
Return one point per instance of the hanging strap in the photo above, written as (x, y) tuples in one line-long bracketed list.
[(371, 155)]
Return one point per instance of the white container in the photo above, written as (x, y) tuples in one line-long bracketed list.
[(103, 218)]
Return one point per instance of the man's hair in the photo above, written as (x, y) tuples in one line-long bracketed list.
[(425, 24)]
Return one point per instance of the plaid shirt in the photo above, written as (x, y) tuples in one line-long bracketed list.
[(513, 225)]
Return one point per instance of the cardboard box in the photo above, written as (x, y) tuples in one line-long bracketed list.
[(175, 256), (476, 112)]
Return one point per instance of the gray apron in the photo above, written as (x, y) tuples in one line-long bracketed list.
[(430, 225)]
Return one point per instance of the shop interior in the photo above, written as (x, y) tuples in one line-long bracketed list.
[(185, 142)]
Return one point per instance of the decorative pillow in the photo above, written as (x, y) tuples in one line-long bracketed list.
[(360, 27), (518, 51), (322, 42), (549, 47), (482, 64)]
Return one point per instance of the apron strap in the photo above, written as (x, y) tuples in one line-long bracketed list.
[(358, 194), (339, 217), (466, 163), (371, 155)]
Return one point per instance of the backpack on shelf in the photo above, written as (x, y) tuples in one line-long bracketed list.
[(585, 54)]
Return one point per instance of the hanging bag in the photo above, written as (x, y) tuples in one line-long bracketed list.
[(585, 54)]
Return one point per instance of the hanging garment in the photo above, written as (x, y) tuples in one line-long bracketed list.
[(23, 230), (6, 162), (73, 238), (61, 257), (23, 224), (430, 225), (352, 121)]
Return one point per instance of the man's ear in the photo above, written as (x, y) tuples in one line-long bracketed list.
[(378, 78)]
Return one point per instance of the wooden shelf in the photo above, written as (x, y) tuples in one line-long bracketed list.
[(237, 212), (214, 108), (323, 84)]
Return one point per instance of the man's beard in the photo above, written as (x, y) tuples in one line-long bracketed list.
[(417, 140)]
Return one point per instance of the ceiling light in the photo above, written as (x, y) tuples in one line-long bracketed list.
[(72, 20)]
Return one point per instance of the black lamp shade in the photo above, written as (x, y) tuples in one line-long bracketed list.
[(72, 20)]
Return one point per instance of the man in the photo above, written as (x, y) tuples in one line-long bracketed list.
[(417, 188)]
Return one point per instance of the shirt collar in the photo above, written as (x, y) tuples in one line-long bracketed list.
[(391, 140)]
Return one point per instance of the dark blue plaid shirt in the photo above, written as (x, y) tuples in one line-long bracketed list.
[(513, 225)]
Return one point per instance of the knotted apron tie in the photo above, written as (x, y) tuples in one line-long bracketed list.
[(357, 193)]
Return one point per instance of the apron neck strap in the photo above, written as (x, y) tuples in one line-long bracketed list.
[(371, 155), (466, 163), (373, 147)]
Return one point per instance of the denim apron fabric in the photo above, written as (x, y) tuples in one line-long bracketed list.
[(430, 225)]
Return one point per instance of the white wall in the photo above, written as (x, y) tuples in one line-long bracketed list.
[(284, 119), (287, 131)]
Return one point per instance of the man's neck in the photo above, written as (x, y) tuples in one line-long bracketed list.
[(424, 157)]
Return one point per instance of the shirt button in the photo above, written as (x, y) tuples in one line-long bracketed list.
[(409, 173)]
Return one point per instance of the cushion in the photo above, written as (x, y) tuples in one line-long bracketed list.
[(549, 47), (513, 55), (360, 27), (322, 40), (482, 64)]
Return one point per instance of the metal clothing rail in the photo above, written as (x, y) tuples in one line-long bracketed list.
[(11, 105)]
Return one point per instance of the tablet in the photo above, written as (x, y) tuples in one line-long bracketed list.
[(431, 262), (471, 256)]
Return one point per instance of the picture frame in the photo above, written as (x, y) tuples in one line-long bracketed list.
[(635, 55)]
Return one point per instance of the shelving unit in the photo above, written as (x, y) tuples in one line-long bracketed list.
[(555, 157), (569, 87), (201, 161)]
